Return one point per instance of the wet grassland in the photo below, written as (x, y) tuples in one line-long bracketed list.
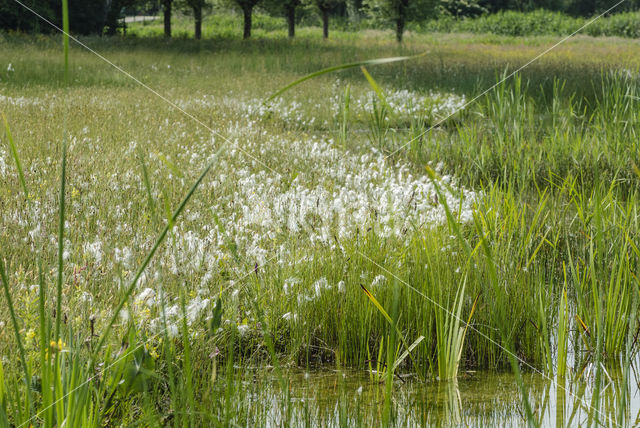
[(395, 250)]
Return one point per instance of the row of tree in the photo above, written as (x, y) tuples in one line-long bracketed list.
[(395, 11), (104, 16)]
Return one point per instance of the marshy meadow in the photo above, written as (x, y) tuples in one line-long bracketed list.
[(448, 237)]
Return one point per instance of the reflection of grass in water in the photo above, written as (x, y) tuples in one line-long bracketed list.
[(481, 399)]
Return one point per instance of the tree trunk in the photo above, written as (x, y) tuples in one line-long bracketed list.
[(248, 10), (166, 5), (399, 28), (401, 19), (113, 14), (197, 16), (291, 20), (325, 23)]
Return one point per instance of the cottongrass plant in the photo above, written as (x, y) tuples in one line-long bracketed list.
[(65, 383), (538, 236)]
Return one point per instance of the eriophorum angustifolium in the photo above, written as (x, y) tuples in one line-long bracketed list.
[(20, 101), (3, 163), (324, 195), (407, 104), (300, 114), (303, 211)]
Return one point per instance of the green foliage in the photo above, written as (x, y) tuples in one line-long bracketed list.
[(188, 6), (462, 8), (385, 12), (86, 16), (15, 17), (539, 22)]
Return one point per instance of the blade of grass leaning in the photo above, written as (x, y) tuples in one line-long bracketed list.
[(152, 252), (406, 353), (14, 155), (376, 88), (377, 304), (378, 61), (599, 331), (391, 322), (16, 330)]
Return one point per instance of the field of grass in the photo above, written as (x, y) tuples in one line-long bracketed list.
[(335, 229)]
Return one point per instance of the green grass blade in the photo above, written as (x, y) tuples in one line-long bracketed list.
[(376, 88), (378, 61), (377, 304), (406, 353), (16, 330), (389, 319), (16, 158)]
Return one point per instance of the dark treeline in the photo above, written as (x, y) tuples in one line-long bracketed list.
[(583, 8), (86, 16), (104, 16)]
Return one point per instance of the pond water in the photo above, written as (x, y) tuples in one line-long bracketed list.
[(351, 398)]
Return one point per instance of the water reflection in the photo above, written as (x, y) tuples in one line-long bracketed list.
[(349, 398)]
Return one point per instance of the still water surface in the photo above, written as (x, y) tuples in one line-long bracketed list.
[(477, 399)]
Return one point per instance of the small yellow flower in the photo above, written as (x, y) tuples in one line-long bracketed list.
[(154, 353), (31, 334), (57, 346)]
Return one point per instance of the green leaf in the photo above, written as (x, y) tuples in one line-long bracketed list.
[(376, 88), (216, 316), (342, 67), (406, 353), (377, 304), (138, 372), (14, 154)]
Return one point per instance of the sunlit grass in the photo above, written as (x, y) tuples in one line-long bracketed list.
[(539, 244)]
